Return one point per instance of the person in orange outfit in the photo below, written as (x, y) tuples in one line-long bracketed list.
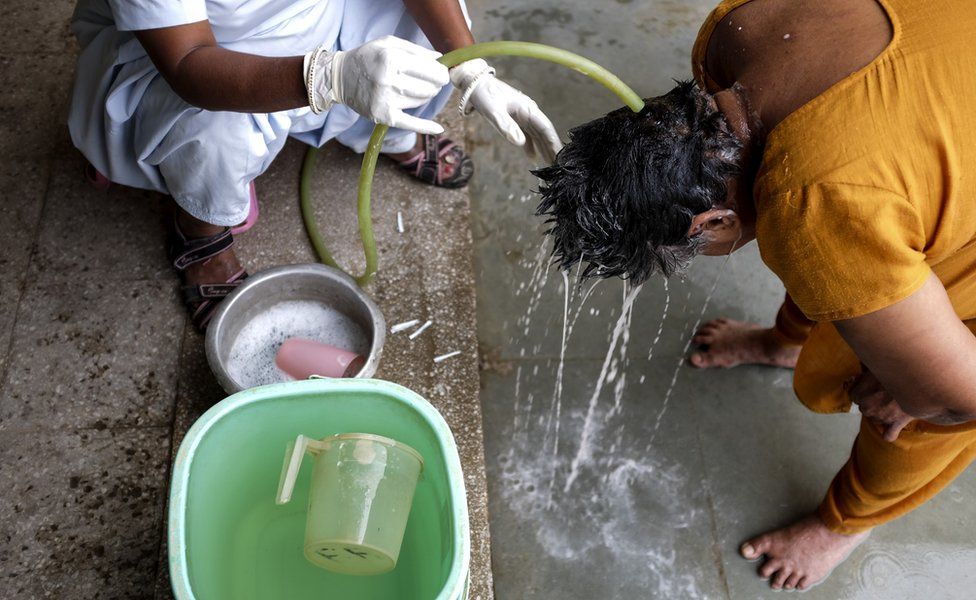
[(839, 134)]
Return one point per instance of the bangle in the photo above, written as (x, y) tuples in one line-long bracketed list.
[(468, 91), (310, 79)]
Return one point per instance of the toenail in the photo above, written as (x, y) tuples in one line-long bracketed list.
[(748, 550)]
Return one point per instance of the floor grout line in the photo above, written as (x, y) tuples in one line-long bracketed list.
[(716, 546), (167, 472), (26, 272), (69, 429)]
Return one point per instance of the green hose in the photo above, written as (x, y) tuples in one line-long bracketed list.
[(456, 57)]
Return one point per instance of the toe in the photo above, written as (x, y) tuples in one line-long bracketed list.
[(791, 581), (698, 359), (769, 568), (703, 338), (754, 548), (780, 578), (710, 326)]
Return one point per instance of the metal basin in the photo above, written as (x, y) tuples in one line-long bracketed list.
[(309, 282)]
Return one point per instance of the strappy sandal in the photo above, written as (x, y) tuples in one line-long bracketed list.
[(96, 179), (202, 299), (427, 164)]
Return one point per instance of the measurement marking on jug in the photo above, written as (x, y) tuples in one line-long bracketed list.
[(354, 553)]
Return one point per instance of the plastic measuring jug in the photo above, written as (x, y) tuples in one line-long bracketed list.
[(359, 500)]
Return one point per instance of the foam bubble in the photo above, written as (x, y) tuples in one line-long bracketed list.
[(252, 353)]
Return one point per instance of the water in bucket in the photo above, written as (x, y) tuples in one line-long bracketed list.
[(361, 492)]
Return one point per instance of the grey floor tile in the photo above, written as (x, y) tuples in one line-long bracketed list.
[(90, 353), (23, 184), (33, 115), (9, 298), (617, 509), (279, 236), (80, 514), (197, 389), (113, 236), (34, 27), (163, 589), (772, 462)]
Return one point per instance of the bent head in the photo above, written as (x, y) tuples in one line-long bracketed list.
[(633, 194)]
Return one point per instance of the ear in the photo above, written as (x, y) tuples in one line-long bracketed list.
[(715, 220)]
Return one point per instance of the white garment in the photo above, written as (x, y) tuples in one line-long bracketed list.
[(133, 128)]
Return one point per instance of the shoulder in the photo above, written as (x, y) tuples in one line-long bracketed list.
[(715, 28), (841, 249)]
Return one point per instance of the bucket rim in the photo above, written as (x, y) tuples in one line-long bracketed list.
[(456, 582)]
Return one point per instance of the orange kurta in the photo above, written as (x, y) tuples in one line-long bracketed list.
[(862, 193)]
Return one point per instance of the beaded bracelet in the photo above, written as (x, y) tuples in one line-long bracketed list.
[(310, 80)]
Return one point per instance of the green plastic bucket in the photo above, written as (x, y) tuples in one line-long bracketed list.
[(228, 540)]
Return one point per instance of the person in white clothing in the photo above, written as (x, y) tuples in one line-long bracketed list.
[(195, 98)]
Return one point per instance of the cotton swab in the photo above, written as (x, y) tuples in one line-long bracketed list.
[(438, 359), (420, 330), (405, 325)]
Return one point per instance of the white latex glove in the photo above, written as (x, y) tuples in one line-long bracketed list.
[(514, 115), (378, 80)]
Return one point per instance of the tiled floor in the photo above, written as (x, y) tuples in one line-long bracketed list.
[(666, 485)]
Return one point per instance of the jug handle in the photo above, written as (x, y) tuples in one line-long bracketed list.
[(289, 470)]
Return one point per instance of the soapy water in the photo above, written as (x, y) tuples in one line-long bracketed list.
[(251, 361)]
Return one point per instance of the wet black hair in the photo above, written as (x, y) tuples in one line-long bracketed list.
[(622, 193)]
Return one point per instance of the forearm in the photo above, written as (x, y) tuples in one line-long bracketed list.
[(922, 353), (934, 384), (941, 407), (442, 21), (214, 78)]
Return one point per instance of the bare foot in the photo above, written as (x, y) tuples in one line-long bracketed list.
[(801, 555), (727, 343)]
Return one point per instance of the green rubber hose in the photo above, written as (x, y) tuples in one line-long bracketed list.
[(456, 57)]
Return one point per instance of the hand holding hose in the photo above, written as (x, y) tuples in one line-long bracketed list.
[(516, 116), (378, 80), (455, 57)]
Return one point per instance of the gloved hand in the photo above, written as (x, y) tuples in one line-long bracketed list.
[(378, 80), (514, 115)]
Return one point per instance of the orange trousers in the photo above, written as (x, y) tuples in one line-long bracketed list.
[(882, 480)]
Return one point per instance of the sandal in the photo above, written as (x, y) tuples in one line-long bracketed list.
[(439, 151), (96, 179), (202, 299)]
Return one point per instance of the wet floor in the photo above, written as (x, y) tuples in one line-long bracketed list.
[(638, 477)]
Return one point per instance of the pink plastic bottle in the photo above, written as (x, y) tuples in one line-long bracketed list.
[(301, 359)]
